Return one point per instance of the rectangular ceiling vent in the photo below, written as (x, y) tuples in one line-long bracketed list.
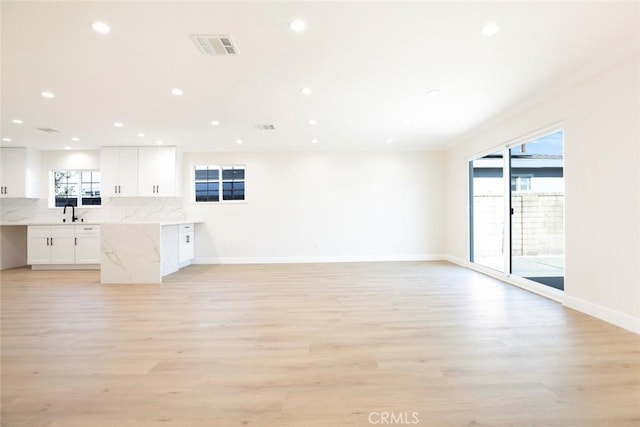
[(265, 127), (48, 130), (212, 45)]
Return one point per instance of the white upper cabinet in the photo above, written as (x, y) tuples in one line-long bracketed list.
[(119, 169), (19, 172), (140, 172), (157, 172)]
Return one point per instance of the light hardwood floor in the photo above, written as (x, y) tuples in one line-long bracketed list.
[(307, 345)]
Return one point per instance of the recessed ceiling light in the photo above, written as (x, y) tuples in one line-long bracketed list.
[(389, 141), (159, 142), (406, 122), (313, 122), (177, 92), (215, 123), (306, 90), (238, 141), (17, 121), (66, 147), (490, 29), (100, 27), (298, 25), (47, 94), (433, 93), (75, 139), (118, 124), (6, 139), (140, 135), (314, 141)]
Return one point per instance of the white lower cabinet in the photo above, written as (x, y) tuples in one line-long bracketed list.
[(186, 245), (63, 244), (87, 242), (177, 247), (50, 245)]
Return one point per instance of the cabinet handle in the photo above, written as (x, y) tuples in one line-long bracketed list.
[(119, 190), (187, 236), (115, 189), (1, 190), (52, 241), (47, 241), (75, 241)]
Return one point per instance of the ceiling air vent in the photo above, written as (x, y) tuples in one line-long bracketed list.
[(212, 45), (265, 127), (48, 130)]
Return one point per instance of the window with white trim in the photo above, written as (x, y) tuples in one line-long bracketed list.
[(521, 182), (75, 187), (219, 183)]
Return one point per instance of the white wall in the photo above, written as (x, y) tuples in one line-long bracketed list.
[(324, 206), (601, 119)]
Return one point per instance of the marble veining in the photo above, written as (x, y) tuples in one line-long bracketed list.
[(130, 253), (114, 210)]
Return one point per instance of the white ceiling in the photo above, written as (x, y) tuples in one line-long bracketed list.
[(370, 65)]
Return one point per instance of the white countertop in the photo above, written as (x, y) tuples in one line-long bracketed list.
[(24, 223)]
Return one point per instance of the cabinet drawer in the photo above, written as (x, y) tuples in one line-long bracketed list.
[(87, 229), (185, 228)]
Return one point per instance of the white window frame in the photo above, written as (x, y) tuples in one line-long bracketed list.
[(519, 180), (220, 182), (52, 190)]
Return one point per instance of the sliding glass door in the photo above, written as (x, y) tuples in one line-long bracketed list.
[(537, 210), (488, 211), (525, 237)]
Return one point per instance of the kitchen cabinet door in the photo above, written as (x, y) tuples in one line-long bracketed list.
[(19, 172), (62, 244), (87, 242), (166, 171), (147, 171), (186, 244), (157, 172), (119, 169), (38, 247)]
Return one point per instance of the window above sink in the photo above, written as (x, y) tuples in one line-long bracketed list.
[(79, 188)]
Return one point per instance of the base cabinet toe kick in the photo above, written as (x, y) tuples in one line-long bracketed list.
[(144, 252)]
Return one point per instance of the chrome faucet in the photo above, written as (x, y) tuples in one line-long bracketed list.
[(74, 218)]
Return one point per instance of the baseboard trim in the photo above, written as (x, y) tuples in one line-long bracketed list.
[(318, 259), (65, 266), (614, 317), (458, 261)]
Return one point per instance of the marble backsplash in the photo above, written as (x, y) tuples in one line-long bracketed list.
[(131, 209)]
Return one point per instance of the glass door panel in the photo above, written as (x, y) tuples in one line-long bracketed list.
[(537, 210), (487, 211)]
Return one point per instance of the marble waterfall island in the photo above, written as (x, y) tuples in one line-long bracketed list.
[(141, 252)]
